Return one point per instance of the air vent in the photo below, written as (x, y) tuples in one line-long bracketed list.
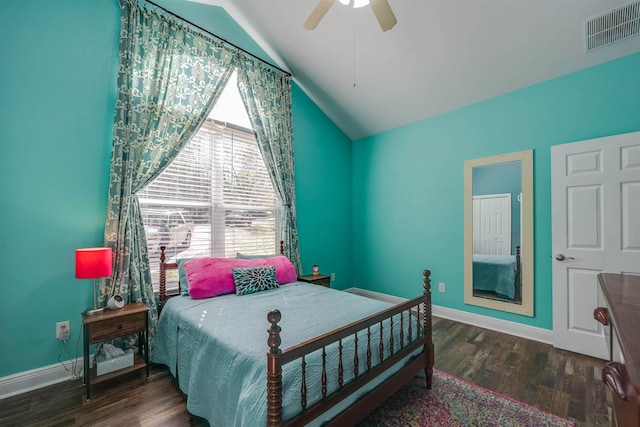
[(612, 26)]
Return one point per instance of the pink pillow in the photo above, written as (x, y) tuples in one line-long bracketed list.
[(210, 277)]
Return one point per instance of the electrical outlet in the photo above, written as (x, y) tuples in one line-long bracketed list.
[(333, 277), (63, 330), (441, 287)]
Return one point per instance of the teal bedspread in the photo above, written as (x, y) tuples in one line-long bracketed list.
[(217, 348), (495, 273)]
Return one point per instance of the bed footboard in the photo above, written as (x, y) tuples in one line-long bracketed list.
[(411, 340)]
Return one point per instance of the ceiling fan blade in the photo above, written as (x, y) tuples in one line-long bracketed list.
[(318, 13), (384, 14)]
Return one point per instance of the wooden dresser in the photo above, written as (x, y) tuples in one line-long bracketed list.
[(622, 316)]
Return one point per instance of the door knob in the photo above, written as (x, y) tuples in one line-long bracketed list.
[(561, 257)]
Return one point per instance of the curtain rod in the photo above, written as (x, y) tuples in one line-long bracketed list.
[(219, 38)]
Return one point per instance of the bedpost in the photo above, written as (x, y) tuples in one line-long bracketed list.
[(518, 285), (274, 371), (162, 292), (427, 324), (281, 247)]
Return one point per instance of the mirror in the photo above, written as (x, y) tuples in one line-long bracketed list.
[(498, 232)]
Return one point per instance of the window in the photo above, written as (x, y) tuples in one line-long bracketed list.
[(216, 198)]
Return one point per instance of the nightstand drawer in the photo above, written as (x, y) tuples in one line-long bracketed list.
[(118, 327)]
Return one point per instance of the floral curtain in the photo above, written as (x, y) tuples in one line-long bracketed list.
[(169, 77), (267, 97)]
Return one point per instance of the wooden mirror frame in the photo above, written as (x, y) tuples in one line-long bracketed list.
[(526, 308)]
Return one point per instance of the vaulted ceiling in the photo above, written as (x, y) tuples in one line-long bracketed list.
[(441, 55)]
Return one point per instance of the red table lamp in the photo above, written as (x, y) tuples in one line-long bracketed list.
[(93, 263)]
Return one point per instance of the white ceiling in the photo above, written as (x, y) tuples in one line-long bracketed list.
[(441, 55)]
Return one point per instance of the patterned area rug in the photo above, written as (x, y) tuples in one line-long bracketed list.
[(455, 402)]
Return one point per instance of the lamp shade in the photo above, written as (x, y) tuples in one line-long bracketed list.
[(92, 263)]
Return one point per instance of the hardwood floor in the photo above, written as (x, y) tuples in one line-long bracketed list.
[(557, 381)]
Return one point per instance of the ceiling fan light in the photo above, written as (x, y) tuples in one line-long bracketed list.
[(344, 2), (360, 3)]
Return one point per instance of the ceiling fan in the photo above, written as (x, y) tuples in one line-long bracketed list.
[(380, 8)]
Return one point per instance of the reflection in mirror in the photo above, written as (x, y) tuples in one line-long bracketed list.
[(496, 191), (499, 232)]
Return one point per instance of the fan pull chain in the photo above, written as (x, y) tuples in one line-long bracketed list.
[(353, 20)]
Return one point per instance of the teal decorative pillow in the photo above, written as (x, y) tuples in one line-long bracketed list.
[(182, 275), (255, 279)]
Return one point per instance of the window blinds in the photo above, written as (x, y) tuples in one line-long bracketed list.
[(215, 199)]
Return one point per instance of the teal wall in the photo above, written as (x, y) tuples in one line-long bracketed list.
[(57, 83), (408, 182), (323, 191), (58, 93)]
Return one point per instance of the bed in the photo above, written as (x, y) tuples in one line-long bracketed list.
[(301, 354), (499, 274)]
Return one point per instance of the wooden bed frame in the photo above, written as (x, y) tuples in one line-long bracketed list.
[(518, 285), (419, 341)]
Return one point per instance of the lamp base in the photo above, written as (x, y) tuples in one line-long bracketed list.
[(93, 311)]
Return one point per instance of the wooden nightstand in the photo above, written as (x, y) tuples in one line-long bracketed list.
[(131, 319), (318, 279)]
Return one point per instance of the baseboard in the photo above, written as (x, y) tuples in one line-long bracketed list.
[(512, 328), (23, 382), (376, 295), (498, 325)]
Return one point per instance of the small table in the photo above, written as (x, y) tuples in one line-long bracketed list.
[(131, 319), (316, 279)]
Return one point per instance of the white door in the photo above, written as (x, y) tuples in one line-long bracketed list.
[(492, 224), (595, 227)]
